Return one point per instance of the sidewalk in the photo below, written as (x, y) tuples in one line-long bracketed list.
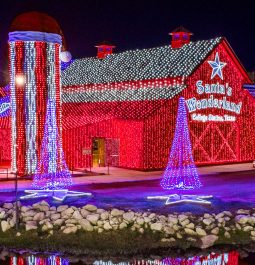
[(127, 175)]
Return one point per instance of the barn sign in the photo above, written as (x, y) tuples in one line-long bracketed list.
[(211, 102)]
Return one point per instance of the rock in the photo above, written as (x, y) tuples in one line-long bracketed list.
[(55, 216), (24, 209), (251, 220), (227, 235), (238, 226), (31, 226), (191, 239), (44, 203), (176, 227), (182, 217), (77, 215), (30, 213), (208, 241), (168, 230), (215, 231), (69, 230), (12, 222), (190, 226), (90, 208), (243, 212), (18, 234), (221, 220), (58, 222), (107, 226), (140, 220), (247, 228), (44, 228), (123, 225), (207, 221), (253, 233), (104, 216), (220, 215), (172, 220), (39, 216), (67, 212), (165, 240), (5, 226), (228, 213), (241, 219), (86, 225), (152, 215), (207, 216), (178, 235), (253, 238), (141, 230), (200, 231), (84, 213), (70, 225), (190, 232), (116, 212), (185, 222), (62, 208), (8, 205), (41, 207), (2, 215), (156, 226), (100, 230), (71, 221), (146, 219), (99, 211), (93, 218), (128, 216)]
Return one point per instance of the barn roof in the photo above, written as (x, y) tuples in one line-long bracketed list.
[(159, 62)]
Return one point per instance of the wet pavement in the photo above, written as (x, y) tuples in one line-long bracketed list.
[(230, 190)]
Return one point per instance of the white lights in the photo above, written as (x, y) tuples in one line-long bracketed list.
[(30, 96), (20, 80), (143, 64)]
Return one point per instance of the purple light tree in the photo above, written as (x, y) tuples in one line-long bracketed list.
[(181, 172), (52, 178), (52, 172)]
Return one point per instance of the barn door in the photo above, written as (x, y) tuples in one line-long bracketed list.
[(215, 142), (112, 151)]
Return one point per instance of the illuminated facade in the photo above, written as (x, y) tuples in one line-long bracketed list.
[(120, 109), (129, 101)]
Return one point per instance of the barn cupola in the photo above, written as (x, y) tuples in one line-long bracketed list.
[(103, 49), (180, 36)]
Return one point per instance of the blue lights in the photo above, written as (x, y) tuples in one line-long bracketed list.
[(181, 172), (52, 172)]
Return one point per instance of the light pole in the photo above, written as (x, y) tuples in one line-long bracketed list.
[(20, 82), (16, 194)]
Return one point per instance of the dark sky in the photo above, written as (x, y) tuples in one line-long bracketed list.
[(138, 24)]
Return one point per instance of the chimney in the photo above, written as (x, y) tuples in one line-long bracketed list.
[(104, 49), (180, 36)]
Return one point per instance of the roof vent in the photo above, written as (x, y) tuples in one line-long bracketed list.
[(180, 36), (103, 49)]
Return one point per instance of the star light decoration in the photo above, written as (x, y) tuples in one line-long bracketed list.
[(181, 173), (217, 67)]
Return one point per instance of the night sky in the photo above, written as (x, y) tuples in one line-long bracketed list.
[(137, 24)]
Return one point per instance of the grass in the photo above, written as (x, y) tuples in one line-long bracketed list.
[(123, 243)]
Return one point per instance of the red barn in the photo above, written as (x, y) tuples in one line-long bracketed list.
[(122, 109)]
